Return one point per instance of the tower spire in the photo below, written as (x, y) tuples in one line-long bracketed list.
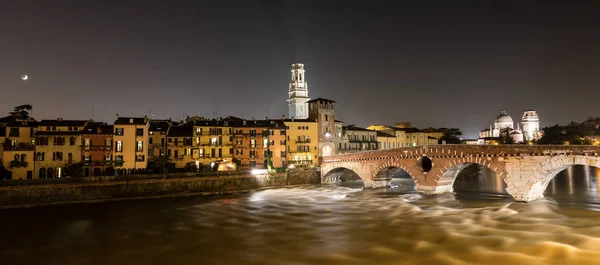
[(298, 93)]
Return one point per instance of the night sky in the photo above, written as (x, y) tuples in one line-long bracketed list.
[(435, 63)]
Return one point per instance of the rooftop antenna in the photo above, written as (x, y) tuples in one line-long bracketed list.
[(92, 111)]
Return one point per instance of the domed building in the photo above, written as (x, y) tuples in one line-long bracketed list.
[(504, 126), (503, 121)]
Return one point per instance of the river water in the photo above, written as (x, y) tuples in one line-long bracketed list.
[(319, 225)]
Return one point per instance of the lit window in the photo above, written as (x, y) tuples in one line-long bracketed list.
[(119, 146)]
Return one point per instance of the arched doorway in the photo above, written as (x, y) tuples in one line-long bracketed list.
[(50, 173), (42, 173)]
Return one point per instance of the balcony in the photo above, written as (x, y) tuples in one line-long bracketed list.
[(17, 164), (299, 162), (118, 163), (96, 147), (363, 141), (304, 141)]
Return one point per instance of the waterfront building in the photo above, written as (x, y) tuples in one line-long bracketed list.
[(386, 140), (213, 142), (180, 145), (322, 111), (97, 150), (298, 93), (157, 138), (302, 142), (259, 143), (406, 135), (58, 146), (18, 147), (130, 144), (358, 139)]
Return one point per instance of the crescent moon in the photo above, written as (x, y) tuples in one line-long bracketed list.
[(24, 77)]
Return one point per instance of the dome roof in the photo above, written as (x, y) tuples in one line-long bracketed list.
[(503, 117)]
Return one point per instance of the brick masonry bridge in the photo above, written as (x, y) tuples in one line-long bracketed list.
[(526, 169)]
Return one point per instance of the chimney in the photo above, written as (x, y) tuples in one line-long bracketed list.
[(117, 116), (130, 120), (59, 119), (282, 117), (266, 118)]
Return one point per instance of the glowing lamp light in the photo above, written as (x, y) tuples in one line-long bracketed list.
[(258, 171), (327, 134)]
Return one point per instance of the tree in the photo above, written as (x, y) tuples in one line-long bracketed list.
[(451, 136), (160, 165), (74, 170), (21, 112)]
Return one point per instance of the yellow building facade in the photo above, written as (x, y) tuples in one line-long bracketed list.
[(213, 142), (179, 147), (130, 145), (58, 145), (302, 142), (18, 139)]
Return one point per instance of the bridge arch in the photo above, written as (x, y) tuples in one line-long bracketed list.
[(339, 174), (551, 167)]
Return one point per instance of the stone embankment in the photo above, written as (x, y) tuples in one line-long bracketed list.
[(62, 191)]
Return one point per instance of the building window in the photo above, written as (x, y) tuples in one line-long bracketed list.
[(71, 140), (199, 131), (140, 146), (70, 158), (176, 153), (140, 158), (282, 132), (213, 141), (252, 132), (169, 153), (282, 154), (252, 154), (252, 143), (86, 157), (108, 142), (187, 141), (14, 132), (220, 152), (59, 140), (265, 143), (119, 131), (108, 156), (139, 132), (231, 151), (201, 152), (150, 140), (212, 152), (119, 146), (187, 151)]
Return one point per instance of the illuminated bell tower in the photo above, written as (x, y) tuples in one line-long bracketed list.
[(298, 93)]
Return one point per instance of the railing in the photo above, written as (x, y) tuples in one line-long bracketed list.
[(305, 141), (97, 147), (14, 164), (299, 162)]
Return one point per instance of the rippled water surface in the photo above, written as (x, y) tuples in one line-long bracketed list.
[(315, 225)]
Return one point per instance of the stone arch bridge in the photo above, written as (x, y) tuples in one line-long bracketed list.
[(526, 169)]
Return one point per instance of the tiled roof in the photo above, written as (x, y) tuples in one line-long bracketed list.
[(181, 131), (63, 123), (98, 128), (130, 121), (383, 134), (159, 126), (43, 133), (354, 128), (320, 99)]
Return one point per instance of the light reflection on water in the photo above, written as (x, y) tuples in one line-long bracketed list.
[(314, 225)]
